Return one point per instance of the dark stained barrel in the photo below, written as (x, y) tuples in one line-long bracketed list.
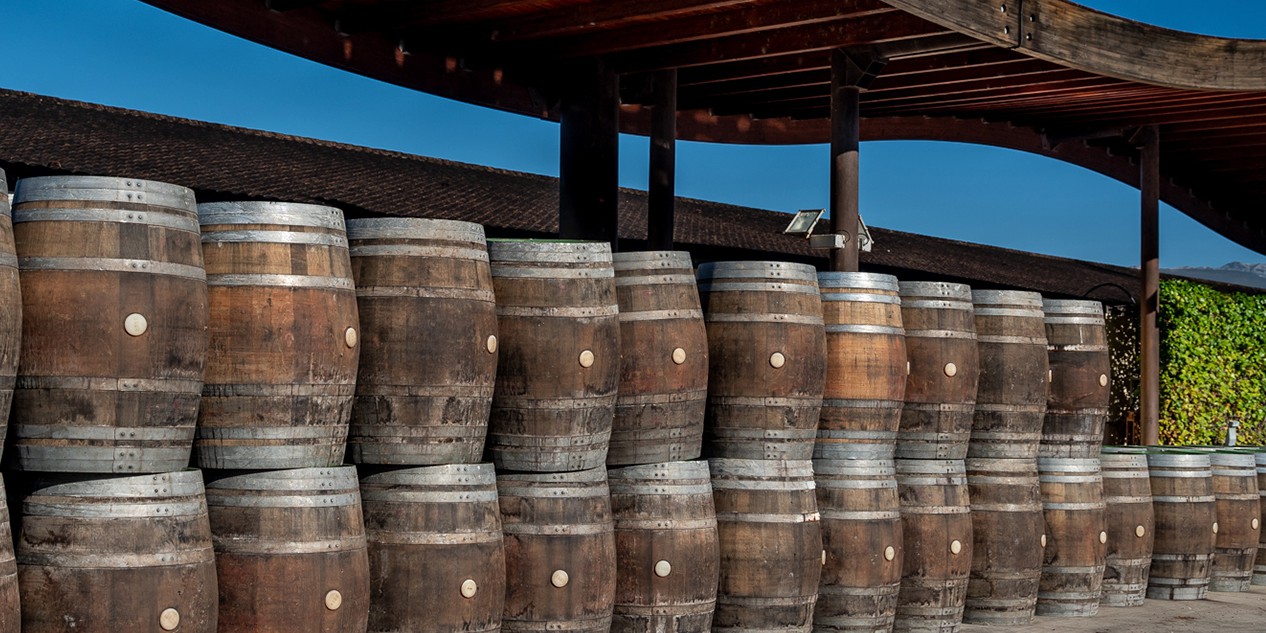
[(937, 539), (560, 551), (1259, 567), (1008, 530), (114, 325), (766, 359), (865, 366), (560, 355), (861, 533), (290, 551), (1011, 396), (1186, 524), (1078, 354), (428, 348), (436, 561), (1076, 536), (663, 360), (10, 317), (281, 368), (666, 548), (108, 554), (1127, 495), (1239, 520), (936, 420), (771, 545)]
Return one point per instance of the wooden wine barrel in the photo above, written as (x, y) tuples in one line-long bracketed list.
[(666, 548), (766, 359), (1008, 530), (428, 351), (771, 545), (1076, 536), (560, 355), (1078, 354), (1259, 567), (436, 562), (865, 366), (861, 533), (114, 325), (10, 319), (663, 360), (281, 368), (1239, 512), (290, 551), (1127, 495), (10, 599), (1186, 524), (105, 554), (560, 551), (937, 539), (936, 419), (1013, 388)]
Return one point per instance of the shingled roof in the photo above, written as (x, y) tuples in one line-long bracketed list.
[(44, 135)]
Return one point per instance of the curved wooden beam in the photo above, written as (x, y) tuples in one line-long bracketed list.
[(1086, 39)]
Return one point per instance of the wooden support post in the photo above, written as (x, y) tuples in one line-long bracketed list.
[(1149, 267), (588, 171), (661, 194), (850, 74)]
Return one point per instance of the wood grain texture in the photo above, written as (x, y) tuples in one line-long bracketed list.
[(660, 404), (91, 397), (10, 596), (1073, 560), (94, 555), (1186, 511), (286, 543), (434, 536), (1013, 388), (1127, 496), (428, 351), (10, 314), (1077, 350), (1007, 529), (944, 369), (281, 367), (937, 538)]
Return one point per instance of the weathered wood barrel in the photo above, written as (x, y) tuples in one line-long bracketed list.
[(861, 533), (428, 344), (1131, 525), (436, 562), (766, 359), (1076, 536), (10, 318), (1008, 530), (663, 388), (1239, 512), (1186, 524), (771, 545), (865, 366), (10, 600), (1259, 567), (560, 355), (1013, 388), (109, 554), (666, 548), (114, 325), (560, 551), (281, 368), (290, 551), (937, 539), (1077, 350), (936, 419)]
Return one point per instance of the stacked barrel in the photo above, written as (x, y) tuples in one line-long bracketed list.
[(767, 356), (1130, 523)]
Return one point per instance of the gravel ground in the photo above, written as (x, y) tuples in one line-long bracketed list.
[(1219, 613)]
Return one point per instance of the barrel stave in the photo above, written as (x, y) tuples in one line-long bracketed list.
[(1131, 526)]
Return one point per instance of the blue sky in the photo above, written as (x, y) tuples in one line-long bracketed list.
[(125, 53)]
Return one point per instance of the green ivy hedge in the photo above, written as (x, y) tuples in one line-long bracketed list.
[(1213, 364)]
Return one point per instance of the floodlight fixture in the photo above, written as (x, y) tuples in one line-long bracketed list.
[(804, 222)]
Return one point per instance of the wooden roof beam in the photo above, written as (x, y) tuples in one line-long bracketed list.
[(608, 15), (401, 17), (290, 5)]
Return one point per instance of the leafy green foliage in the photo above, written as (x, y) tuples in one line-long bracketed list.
[(1213, 364)]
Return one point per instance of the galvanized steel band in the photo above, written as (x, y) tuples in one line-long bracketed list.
[(117, 265), (169, 219)]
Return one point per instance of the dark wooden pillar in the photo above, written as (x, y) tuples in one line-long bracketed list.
[(588, 171), (661, 194), (850, 74), (1149, 266)]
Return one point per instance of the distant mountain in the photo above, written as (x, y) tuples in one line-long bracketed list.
[(1239, 273)]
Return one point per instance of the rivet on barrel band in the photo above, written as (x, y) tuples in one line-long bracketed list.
[(956, 546), (491, 344), (1103, 380), (135, 324), (890, 553), (558, 578), (1103, 537), (777, 360), (333, 600), (951, 369), (1140, 531), (169, 619), (469, 588), (586, 359), (663, 568), (349, 336), (679, 356)]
